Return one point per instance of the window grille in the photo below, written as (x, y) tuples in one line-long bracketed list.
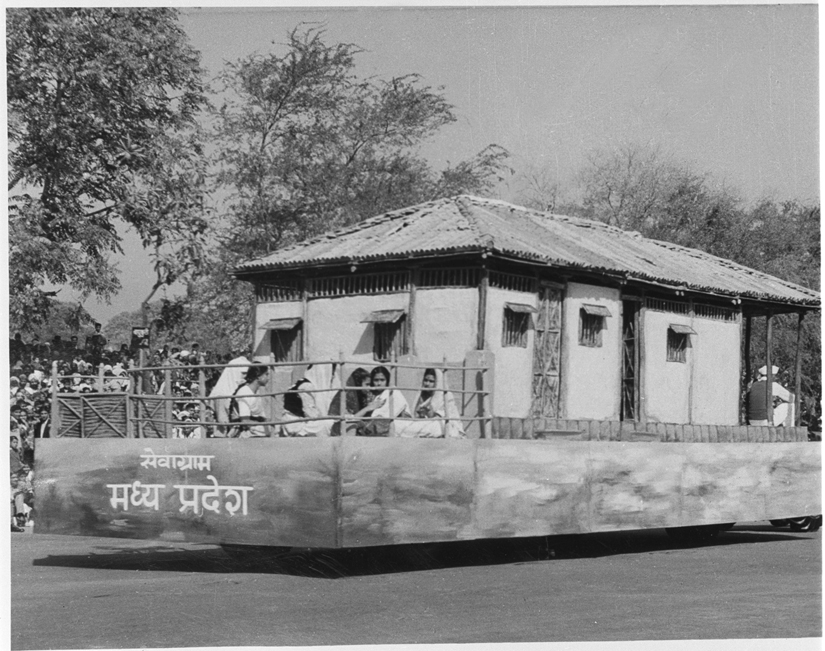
[(715, 312), (390, 340), (677, 343), (284, 291), (378, 283), (464, 277), (287, 344), (662, 305), (512, 282), (590, 329), (516, 324)]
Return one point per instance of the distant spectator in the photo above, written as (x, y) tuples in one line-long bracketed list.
[(27, 451), (758, 399), (20, 422), (43, 425), (15, 461), (95, 344)]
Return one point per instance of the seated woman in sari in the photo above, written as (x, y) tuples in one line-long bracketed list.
[(385, 406), (435, 414), (356, 396), (307, 398)]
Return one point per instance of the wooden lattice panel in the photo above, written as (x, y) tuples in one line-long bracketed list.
[(92, 416)]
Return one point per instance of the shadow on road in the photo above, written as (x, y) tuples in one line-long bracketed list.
[(342, 563)]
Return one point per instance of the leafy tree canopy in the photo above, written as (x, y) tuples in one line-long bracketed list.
[(305, 145), (65, 319), (102, 127)]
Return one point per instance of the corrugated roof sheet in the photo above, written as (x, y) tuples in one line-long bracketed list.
[(466, 223)]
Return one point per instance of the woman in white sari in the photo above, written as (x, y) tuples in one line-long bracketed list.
[(231, 378), (385, 406), (435, 414), (311, 397)]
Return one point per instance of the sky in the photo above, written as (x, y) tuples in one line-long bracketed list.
[(730, 89)]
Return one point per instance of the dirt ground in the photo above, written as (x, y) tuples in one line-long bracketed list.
[(752, 582)]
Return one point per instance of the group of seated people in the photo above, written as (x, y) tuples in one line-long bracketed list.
[(313, 406)]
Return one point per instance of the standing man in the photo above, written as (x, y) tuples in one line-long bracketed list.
[(95, 344), (758, 399), (43, 426)]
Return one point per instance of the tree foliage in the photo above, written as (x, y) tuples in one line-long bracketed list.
[(305, 146), (65, 320), (102, 109)]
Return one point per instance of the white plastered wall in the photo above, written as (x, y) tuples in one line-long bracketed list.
[(446, 322), (513, 364), (335, 324), (667, 384), (717, 360), (591, 376), (703, 391)]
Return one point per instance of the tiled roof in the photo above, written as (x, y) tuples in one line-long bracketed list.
[(468, 223)]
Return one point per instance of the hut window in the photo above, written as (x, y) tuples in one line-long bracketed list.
[(390, 334), (591, 324), (516, 323), (286, 339), (678, 342)]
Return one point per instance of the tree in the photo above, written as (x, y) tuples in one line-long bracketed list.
[(538, 188), (102, 127), (305, 145), (65, 320)]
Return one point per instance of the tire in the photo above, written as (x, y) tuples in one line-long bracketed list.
[(779, 523), (808, 524)]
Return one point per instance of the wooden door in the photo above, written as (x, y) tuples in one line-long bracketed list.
[(547, 354), (630, 360)]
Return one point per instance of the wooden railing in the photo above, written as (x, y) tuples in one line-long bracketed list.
[(146, 411)]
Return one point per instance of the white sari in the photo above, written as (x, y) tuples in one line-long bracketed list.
[(231, 378), (435, 416), (315, 403)]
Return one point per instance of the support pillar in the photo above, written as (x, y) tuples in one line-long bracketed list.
[(747, 379), (769, 363), (482, 303), (797, 401)]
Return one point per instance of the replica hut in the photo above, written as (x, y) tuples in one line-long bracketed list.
[(586, 326)]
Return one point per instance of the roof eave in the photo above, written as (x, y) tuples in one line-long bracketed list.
[(247, 268), (251, 269)]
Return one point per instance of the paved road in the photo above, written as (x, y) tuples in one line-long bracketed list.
[(754, 581)]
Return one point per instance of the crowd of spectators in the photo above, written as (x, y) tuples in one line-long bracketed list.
[(92, 367)]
